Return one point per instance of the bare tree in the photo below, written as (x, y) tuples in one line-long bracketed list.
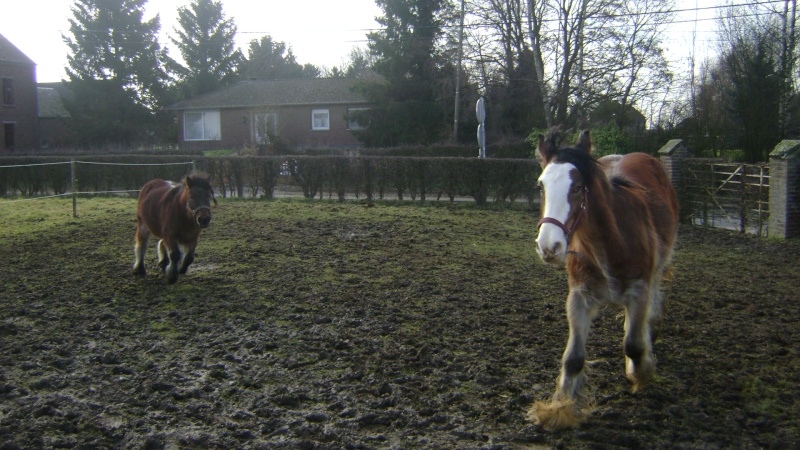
[(582, 52), (536, 14)]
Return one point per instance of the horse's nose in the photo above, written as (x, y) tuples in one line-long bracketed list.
[(204, 221), (550, 251)]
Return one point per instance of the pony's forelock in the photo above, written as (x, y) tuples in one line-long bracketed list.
[(200, 179)]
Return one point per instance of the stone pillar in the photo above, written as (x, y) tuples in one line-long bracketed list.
[(784, 190), (674, 155)]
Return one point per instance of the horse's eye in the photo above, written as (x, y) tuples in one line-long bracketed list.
[(577, 189)]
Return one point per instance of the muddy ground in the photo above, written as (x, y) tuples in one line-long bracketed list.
[(325, 325)]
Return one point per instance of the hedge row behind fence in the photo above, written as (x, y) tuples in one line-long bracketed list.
[(368, 177)]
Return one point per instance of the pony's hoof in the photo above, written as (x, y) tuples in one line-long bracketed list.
[(556, 415), (640, 374), (139, 272)]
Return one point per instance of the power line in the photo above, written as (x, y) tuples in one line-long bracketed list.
[(604, 16)]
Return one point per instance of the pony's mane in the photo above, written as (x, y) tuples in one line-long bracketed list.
[(201, 180)]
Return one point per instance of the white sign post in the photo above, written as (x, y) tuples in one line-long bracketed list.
[(480, 112)]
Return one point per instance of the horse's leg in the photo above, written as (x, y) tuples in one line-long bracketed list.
[(640, 364), (569, 401), (163, 257), (172, 267), (139, 249), (656, 311), (188, 258)]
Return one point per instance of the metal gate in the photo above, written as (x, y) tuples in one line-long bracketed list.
[(727, 195)]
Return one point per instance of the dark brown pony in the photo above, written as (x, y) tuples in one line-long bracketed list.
[(613, 221), (174, 213)]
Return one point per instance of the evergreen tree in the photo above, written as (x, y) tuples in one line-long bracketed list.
[(272, 60), (116, 72), (406, 109), (205, 40)]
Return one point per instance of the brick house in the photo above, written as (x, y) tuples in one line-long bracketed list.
[(18, 101), (290, 114), (53, 115)]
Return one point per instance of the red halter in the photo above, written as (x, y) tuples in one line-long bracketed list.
[(568, 231)]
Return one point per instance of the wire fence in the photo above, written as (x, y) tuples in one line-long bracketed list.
[(73, 190)]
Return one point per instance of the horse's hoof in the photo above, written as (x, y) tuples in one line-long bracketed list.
[(139, 272), (556, 415)]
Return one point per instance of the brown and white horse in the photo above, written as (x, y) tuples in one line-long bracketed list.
[(613, 221), (174, 213)]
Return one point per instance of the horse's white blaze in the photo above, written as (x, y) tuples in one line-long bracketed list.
[(556, 182)]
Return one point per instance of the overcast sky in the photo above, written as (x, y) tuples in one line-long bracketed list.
[(320, 32)]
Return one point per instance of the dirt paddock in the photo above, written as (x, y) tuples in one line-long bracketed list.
[(345, 325)]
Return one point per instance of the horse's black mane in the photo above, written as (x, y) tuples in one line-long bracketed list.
[(586, 164)]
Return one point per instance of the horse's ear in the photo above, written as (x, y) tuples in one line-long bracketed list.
[(584, 141), (188, 181), (544, 151)]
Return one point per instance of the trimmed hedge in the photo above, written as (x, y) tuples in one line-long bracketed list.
[(368, 177)]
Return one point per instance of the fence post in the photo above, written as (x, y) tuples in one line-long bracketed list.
[(673, 155), (74, 190), (784, 190), (743, 201)]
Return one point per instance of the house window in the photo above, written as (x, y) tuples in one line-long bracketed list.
[(264, 128), (8, 136), (8, 91), (201, 126), (356, 119), (320, 119)]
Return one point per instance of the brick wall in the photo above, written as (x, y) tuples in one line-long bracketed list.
[(674, 155), (784, 190)]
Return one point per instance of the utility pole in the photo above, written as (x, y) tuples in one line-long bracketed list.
[(458, 74), (582, 122), (787, 60)]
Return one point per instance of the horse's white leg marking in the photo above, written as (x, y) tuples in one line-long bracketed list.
[(570, 401), (162, 252), (581, 309), (186, 259), (655, 314), (551, 244), (639, 360), (172, 269), (139, 249)]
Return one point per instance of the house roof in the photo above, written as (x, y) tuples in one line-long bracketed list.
[(10, 53), (50, 103), (260, 93)]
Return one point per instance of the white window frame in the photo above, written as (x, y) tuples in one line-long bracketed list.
[(320, 119), (353, 124), (271, 124), (207, 128)]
